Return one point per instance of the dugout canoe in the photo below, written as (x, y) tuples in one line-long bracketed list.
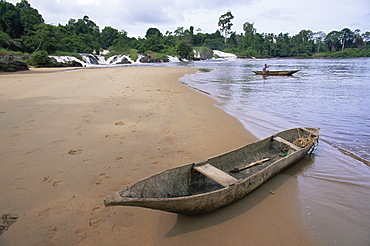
[(276, 73), (202, 187)]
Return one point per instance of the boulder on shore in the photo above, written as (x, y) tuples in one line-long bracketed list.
[(149, 59), (124, 60), (67, 63), (12, 66)]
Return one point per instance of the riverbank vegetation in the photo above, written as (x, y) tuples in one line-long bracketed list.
[(22, 29)]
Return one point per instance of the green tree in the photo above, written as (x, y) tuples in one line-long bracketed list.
[(7, 42), (366, 38), (40, 59), (225, 23), (123, 44), (153, 33), (46, 37), (214, 41), (319, 39), (75, 44), (357, 39), (184, 41), (268, 43), (249, 34), (305, 36), (282, 46), (108, 36), (302, 43), (184, 49), (90, 23), (82, 34), (199, 38), (10, 21), (30, 17), (233, 40), (346, 37), (332, 40), (154, 41), (170, 42)]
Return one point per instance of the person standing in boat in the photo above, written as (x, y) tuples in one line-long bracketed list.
[(264, 69)]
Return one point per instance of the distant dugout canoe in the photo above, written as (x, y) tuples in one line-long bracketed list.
[(276, 73), (205, 186)]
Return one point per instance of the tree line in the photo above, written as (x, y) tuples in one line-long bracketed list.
[(23, 29)]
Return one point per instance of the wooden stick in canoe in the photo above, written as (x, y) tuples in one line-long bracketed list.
[(235, 170)]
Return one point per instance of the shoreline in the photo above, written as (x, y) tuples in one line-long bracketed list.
[(73, 138)]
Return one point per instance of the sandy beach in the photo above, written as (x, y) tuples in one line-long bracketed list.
[(72, 137)]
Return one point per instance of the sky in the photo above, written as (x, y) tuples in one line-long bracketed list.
[(268, 16)]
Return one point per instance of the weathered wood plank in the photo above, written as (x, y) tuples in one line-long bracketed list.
[(310, 132), (216, 175), (281, 140), (235, 170)]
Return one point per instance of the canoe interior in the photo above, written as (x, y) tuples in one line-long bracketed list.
[(276, 72), (185, 181)]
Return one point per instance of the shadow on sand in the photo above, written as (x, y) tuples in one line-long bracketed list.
[(186, 224)]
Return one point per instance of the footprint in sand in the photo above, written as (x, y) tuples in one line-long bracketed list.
[(47, 179), (95, 221), (125, 223), (57, 183), (100, 178), (96, 209), (24, 166), (32, 151), (57, 141), (75, 151)]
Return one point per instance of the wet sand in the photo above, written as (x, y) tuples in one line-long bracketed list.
[(71, 138)]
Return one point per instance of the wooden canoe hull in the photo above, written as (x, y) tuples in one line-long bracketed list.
[(276, 73), (167, 190)]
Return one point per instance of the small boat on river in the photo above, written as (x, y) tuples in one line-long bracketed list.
[(202, 187), (276, 73)]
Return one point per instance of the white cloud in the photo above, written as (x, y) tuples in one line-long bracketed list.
[(88, 2)]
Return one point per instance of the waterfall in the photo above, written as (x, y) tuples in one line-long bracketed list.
[(173, 59), (224, 55), (93, 59), (90, 60), (67, 59), (120, 59), (116, 59), (113, 59)]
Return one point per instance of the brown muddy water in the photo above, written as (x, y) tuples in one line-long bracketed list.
[(333, 94)]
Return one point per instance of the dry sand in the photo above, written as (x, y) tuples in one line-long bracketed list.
[(68, 139)]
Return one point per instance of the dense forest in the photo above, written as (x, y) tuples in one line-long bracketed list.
[(23, 30)]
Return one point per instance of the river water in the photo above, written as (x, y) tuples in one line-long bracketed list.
[(333, 94)]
